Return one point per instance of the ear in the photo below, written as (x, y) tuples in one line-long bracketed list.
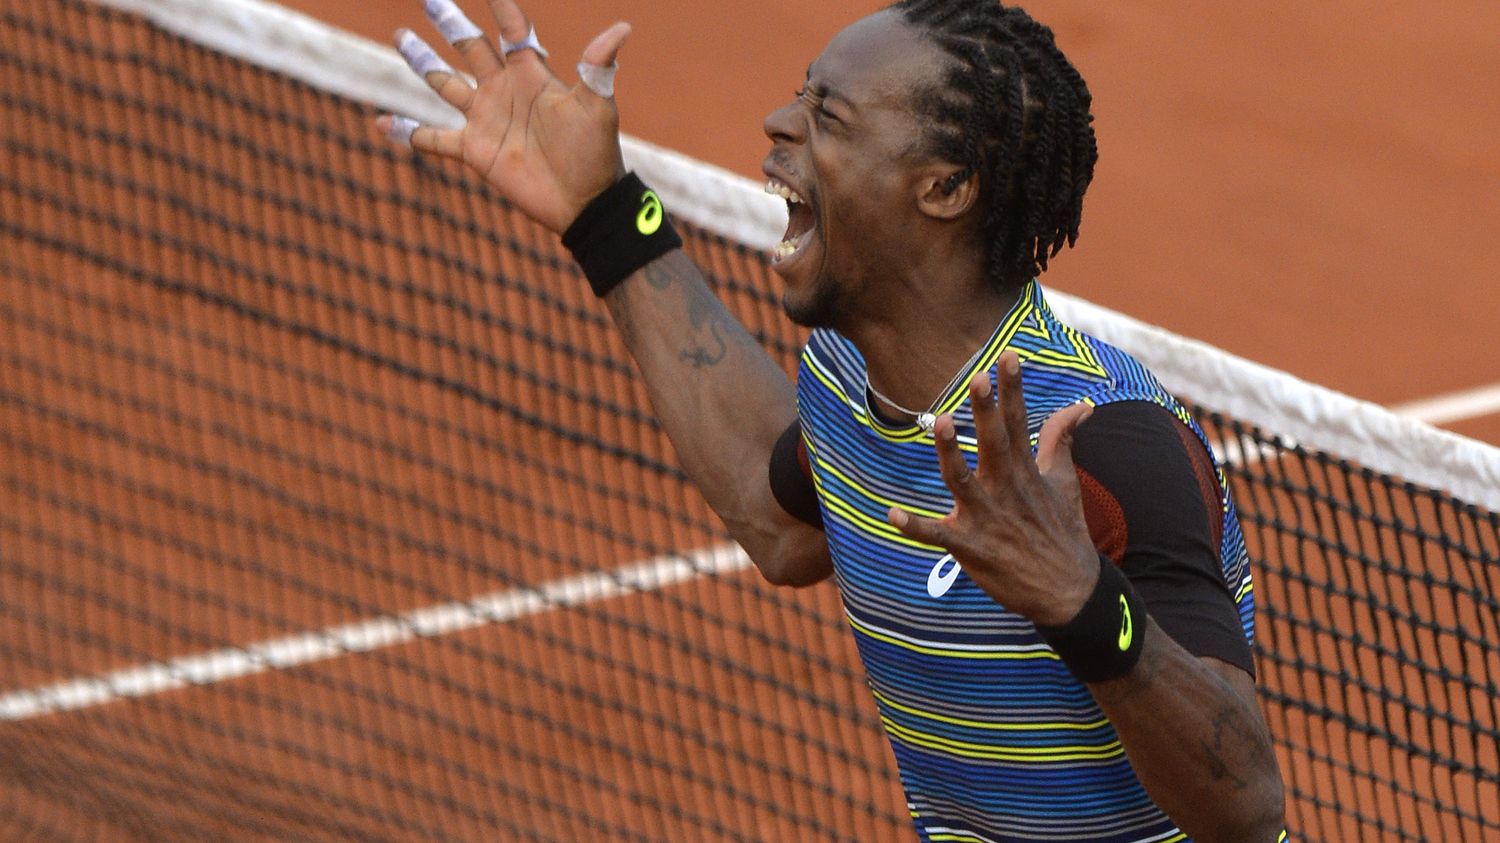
[(935, 200)]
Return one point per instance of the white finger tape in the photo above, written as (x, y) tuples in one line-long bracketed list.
[(600, 80), (451, 21), (527, 43), (401, 129), (420, 56)]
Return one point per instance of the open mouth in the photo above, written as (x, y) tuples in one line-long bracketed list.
[(800, 221)]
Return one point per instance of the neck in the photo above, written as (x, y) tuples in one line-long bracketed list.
[(913, 355)]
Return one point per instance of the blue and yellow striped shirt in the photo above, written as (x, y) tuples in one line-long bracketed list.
[(994, 738)]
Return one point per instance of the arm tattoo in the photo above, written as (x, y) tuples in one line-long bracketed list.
[(658, 276), (1229, 719), (705, 313)]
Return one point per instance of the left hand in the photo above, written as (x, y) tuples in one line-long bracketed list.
[(1017, 525)]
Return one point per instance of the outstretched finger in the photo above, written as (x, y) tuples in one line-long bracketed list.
[(957, 474), (600, 60), (468, 39), (1054, 447), (438, 74), (989, 424), (1012, 406), (929, 531), (518, 44), (408, 132)]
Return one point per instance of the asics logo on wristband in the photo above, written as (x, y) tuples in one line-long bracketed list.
[(1127, 632), (938, 580), (618, 232), (649, 218)]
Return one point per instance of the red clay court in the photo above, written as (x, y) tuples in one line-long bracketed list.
[(331, 509)]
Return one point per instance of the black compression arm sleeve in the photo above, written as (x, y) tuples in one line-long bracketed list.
[(791, 478), (1151, 498)]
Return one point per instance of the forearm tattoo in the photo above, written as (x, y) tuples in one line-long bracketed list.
[(658, 276), (711, 324), (1228, 727)]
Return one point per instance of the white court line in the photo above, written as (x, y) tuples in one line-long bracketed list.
[(500, 607), (364, 636), (1455, 406)]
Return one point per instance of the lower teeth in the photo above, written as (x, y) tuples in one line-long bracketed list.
[(789, 246)]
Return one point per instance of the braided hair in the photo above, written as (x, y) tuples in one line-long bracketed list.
[(1013, 110)]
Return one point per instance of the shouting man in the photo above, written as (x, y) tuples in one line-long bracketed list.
[(1053, 613)]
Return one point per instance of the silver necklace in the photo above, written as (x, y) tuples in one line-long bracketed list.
[(926, 420)]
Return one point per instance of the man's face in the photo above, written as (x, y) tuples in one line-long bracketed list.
[(846, 149)]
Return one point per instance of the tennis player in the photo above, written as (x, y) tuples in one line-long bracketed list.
[(1053, 613)]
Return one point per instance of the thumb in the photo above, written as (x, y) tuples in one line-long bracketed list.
[(1054, 446), (597, 68)]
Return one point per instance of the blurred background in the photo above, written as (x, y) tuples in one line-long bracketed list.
[(1314, 186)]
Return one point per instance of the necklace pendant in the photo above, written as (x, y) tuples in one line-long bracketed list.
[(926, 421)]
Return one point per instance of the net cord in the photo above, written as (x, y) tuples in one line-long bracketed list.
[(737, 208)]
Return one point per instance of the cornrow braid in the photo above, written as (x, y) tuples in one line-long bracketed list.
[(1014, 111)]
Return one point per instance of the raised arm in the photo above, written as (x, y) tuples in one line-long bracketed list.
[(552, 149)]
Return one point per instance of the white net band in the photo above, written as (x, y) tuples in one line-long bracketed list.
[(336, 61)]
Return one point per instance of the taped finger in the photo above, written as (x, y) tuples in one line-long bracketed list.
[(419, 56), (413, 135), (530, 42), (400, 129), (600, 80), (451, 21)]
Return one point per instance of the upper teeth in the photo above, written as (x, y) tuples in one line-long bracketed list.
[(776, 187)]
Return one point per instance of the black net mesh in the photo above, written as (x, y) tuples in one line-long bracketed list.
[(330, 509), (1378, 643)]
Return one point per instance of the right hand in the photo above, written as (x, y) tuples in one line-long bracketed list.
[(547, 147)]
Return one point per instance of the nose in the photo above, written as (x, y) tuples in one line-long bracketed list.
[(785, 123)]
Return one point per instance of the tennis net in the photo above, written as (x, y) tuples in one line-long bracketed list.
[(330, 505)]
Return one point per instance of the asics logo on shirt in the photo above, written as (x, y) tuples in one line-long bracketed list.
[(938, 580)]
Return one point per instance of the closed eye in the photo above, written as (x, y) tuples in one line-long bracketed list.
[(814, 101)]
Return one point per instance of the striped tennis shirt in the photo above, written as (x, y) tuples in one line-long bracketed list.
[(994, 738)]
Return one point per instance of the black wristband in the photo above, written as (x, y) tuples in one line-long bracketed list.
[(620, 231), (1103, 641)]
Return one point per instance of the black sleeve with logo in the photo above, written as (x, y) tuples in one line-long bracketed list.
[(1151, 499)]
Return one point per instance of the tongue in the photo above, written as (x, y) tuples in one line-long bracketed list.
[(799, 221)]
